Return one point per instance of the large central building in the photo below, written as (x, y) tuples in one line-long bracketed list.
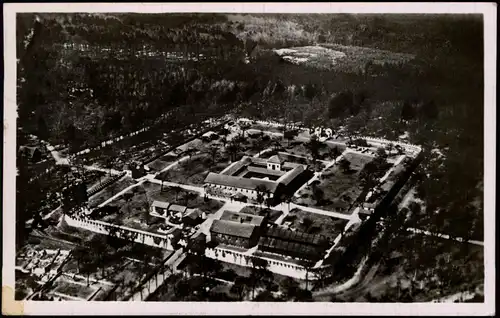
[(250, 176)]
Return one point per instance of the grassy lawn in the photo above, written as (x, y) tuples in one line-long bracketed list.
[(162, 162), (110, 191), (340, 188), (358, 161), (273, 214), (314, 223), (194, 171), (169, 194)]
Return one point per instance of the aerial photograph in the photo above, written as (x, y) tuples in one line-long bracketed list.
[(249, 157)]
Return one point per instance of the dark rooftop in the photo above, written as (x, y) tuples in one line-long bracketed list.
[(232, 228), (294, 236), (291, 175), (290, 248)]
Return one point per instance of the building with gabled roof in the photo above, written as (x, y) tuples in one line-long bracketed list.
[(253, 176), (232, 233), (160, 207), (275, 162), (301, 245)]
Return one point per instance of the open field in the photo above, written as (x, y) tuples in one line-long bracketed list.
[(357, 56), (340, 57), (313, 223), (313, 56)]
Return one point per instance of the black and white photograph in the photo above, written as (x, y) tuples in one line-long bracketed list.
[(214, 156)]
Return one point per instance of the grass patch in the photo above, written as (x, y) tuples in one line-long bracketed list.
[(313, 223), (162, 162)]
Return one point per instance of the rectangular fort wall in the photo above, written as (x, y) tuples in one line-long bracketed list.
[(142, 237), (275, 266)]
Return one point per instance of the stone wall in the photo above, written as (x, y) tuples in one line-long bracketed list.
[(245, 259), (227, 192), (143, 237)]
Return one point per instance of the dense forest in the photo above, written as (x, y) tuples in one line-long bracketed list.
[(84, 78)]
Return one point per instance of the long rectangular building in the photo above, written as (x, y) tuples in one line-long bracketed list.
[(250, 177)]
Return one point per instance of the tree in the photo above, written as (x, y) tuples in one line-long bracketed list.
[(261, 191), (276, 143), (303, 295), (288, 198), (128, 197), (334, 153), (182, 289), (289, 288), (190, 152), (265, 296), (310, 91), (188, 196), (88, 266), (318, 195), (258, 272), (177, 190), (233, 148), (79, 254), (345, 165), (239, 287), (381, 153), (340, 103), (99, 250), (290, 135), (308, 266), (244, 127), (407, 112), (430, 110), (213, 150), (306, 223), (313, 146)]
